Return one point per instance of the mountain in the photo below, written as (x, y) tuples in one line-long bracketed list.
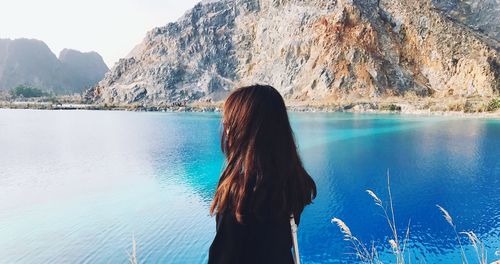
[(31, 62), (83, 69), (25, 61), (315, 50)]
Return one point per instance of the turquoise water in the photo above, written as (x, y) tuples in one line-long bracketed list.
[(76, 186)]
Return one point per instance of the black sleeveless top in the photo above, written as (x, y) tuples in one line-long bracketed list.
[(259, 240)]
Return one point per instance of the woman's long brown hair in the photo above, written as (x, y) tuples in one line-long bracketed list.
[(263, 168)]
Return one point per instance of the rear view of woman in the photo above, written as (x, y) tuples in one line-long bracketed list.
[(263, 182)]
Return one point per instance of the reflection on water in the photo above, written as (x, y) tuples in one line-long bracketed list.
[(77, 185)]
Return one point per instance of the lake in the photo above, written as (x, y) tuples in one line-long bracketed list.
[(78, 186)]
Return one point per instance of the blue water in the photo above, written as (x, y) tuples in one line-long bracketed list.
[(77, 186)]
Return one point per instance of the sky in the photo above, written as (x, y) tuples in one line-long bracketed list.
[(110, 27)]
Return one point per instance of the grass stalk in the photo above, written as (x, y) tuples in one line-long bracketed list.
[(400, 251), (361, 251), (132, 257), (449, 219)]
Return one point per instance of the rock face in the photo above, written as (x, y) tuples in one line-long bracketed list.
[(315, 50), (480, 15), (31, 62)]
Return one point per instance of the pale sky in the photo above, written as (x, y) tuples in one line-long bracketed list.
[(110, 27)]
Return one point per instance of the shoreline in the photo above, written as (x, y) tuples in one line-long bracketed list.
[(407, 112), (360, 108)]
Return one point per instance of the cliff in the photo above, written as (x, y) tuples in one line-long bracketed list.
[(312, 51)]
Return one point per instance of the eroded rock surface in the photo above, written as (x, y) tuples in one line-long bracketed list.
[(316, 50)]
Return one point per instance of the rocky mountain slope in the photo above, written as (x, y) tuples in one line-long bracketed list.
[(31, 62), (480, 15), (315, 50)]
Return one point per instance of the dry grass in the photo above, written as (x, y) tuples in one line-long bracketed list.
[(132, 257), (446, 215), (448, 219), (399, 247), (477, 244), (361, 251), (457, 105)]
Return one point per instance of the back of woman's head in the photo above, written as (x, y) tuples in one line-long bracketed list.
[(263, 168)]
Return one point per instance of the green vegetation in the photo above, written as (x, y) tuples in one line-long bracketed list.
[(493, 105), (390, 107), (27, 92)]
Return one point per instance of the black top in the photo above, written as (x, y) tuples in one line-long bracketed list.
[(263, 239)]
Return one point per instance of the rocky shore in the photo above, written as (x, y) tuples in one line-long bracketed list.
[(425, 106)]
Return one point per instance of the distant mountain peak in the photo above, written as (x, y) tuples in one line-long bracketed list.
[(65, 53), (31, 62)]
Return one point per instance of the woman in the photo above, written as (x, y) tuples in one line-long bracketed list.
[(263, 182)]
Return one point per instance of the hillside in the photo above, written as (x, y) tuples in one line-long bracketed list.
[(312, 51)]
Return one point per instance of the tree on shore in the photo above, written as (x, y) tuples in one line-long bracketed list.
[(27, 92)]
